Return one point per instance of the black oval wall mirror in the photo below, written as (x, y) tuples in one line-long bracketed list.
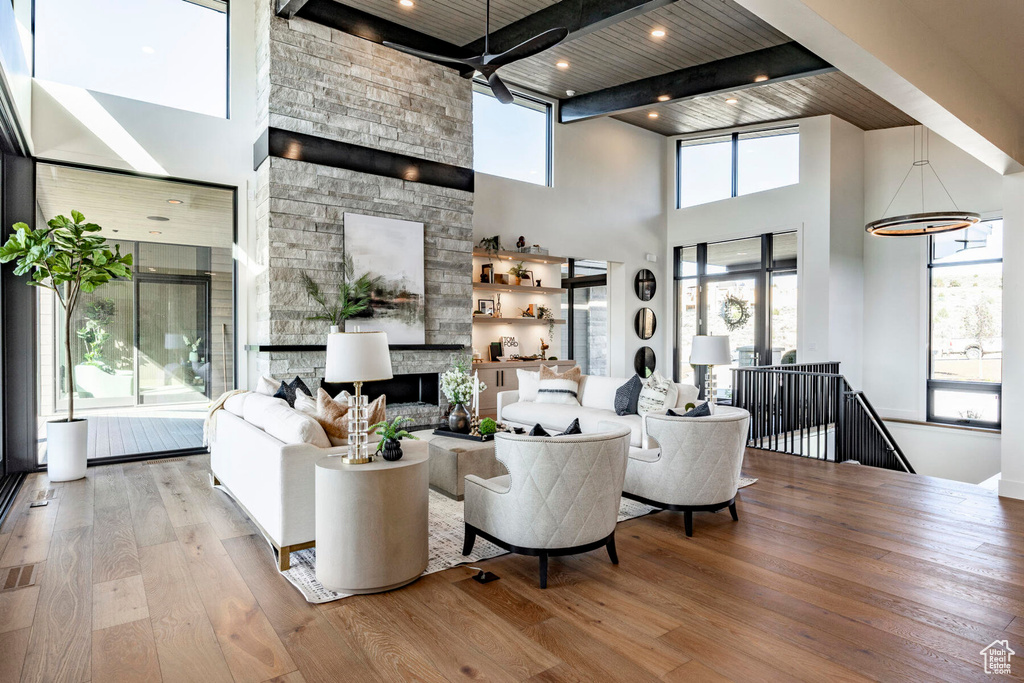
[(644, 361), (645, 323), (644, 285)]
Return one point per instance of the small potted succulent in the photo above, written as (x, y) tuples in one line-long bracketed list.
[(391, 435)]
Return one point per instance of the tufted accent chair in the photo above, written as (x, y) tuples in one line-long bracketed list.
[(696, 468), (560, 497)]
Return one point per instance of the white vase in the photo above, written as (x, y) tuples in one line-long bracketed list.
[(193, 356), (335, 329), (67, 449)]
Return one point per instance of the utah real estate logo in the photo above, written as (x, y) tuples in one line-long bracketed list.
[(997, 657)]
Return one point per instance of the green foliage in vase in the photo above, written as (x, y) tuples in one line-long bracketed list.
[(68, 258), (518, 270), (491, 244), (352, 299), (392, 431)]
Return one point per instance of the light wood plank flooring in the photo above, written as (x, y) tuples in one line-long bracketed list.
[(834, 572)]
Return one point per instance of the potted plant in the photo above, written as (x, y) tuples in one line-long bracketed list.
[(353, 298), (457, 386), (193, 345), (70, 259), (391, 435), (517, 272)]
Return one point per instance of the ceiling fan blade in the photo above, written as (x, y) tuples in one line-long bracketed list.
[(426, 55), (535, 45), (500, 90)]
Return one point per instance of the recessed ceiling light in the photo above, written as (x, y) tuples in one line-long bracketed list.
[(652, 115), (664, 98), (731, 100), (175, 201), (406, 3), (158, 218), (155, 232), (148, 50), (760, 79), (562, 64), (658, 33)]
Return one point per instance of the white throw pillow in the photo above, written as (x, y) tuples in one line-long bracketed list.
[(236, 404), (559, 388), (292, 427), (657, 393), (256, 408), (267, 386), (529, 383), (306, 404)]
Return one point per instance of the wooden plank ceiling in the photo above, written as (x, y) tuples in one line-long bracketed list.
[(697, 32)]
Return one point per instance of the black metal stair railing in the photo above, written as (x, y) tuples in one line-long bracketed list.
[(811, 410)]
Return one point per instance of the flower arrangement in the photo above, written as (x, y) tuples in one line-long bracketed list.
[(457, 384)]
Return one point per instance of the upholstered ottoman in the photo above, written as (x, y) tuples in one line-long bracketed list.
[(451, 459)]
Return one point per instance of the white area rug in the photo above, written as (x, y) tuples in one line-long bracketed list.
[(446, 528)]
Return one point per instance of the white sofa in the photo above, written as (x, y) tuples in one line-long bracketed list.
[(597, 404), (263, 454)]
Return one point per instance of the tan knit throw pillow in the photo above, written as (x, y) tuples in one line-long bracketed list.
[(333, 415), (559, 388)]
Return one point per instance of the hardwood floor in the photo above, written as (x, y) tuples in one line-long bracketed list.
[(834, 572)]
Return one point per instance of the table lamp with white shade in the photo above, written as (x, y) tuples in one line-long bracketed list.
[(710, 350), (357, 357)]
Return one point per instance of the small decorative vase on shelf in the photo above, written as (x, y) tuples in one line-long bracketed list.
[(458, 421), (392, 450), (193, 356)]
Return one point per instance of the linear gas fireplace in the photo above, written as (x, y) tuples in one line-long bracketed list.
[(414, 395)]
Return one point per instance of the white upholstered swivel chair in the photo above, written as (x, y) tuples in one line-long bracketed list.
[(560, 497), (696, 468)]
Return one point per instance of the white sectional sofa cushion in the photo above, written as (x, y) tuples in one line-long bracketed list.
[(292, 427), (236, 404), (597, 405), (257, 406)]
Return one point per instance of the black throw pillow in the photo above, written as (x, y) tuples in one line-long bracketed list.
[(298, 385), (286, 392), (573, 428), (538, 431), (703, 410), (627, 395)]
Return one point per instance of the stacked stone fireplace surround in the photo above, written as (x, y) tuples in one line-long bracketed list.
[(321, 82)]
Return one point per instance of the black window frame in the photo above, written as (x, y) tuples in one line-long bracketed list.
[(571, 282), (735, 142), (933, 385), (483, 88), (762, 275)]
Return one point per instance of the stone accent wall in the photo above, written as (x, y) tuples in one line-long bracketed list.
[(322, 82)]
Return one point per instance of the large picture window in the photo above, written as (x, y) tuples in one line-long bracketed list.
[(585, 310), (744, 289), (511, 140), (168, 52), (724, 166), (966, 298)]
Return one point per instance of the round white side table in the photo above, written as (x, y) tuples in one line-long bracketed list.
[(371, 521)]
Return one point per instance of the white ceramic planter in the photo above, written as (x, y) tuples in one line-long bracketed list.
[(67, 449)]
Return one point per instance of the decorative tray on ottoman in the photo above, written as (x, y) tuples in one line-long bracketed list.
[(442, 431)]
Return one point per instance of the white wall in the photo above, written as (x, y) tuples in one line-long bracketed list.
[(1012, 482), (71, 124), (895, 337), (606, 203)]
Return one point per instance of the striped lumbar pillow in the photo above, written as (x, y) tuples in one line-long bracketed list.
[(559, 388)]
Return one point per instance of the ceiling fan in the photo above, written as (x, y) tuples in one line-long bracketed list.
[(487, 64)]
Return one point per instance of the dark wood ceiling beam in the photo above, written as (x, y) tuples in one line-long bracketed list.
[(579, 16), (369, 27), (289, 8), (780, 63)]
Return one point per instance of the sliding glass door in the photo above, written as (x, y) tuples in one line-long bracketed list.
[(744, 289), (148, 353)]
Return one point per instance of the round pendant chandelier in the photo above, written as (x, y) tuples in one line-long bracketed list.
[(923, 222)]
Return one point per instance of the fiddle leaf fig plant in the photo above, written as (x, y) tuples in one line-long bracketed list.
[(68, 258)]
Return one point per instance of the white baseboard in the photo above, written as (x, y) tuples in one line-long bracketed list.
[(1011, 489)]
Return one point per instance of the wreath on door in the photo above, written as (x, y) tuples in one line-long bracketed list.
[(735, 312)]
